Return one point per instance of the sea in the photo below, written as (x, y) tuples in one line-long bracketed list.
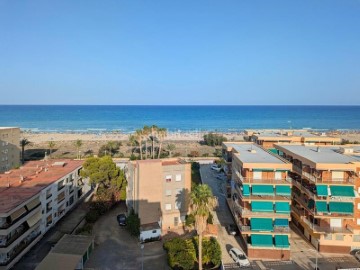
[(126, 119)]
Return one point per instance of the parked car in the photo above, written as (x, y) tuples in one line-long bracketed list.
[(357, 255), (121, 218), (215, 168), (239, 257), (232, 229)]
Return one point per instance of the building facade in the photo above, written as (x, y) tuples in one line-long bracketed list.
[(33, 199), (9, 148), (326, 203), (260, 200), (157, 190)]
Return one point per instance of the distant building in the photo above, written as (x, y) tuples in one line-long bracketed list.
[(326, 202), (267, 138), (9, 148), (260, 199), (157, 190), (32, 200), (70, 253)]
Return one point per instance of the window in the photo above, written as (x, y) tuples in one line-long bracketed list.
[(178, 177), (178, 205), (328, 237), (257, 175), (339, 237), (356, 238), (358, 221), (168, 192), (168, 178), (168, 206)]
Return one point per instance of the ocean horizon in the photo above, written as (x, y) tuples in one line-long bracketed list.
[(183, 118)]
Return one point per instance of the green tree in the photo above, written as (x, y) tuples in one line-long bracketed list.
[(211, 252), (78, 144), (51, 145), (162, 133), (104, 173), (181, 253), (110, 148), (213, 139), (139, 136), (133, 223), (153, 132), (202, 202), (170, 148), (23, 143)]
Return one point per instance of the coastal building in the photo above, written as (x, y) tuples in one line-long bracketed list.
[(9, 148), (157, 191), (326, 203), (33, 199), (260, 200), (267, 138)]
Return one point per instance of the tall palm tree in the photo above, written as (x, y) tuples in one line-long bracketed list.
[(78, 144), (51, 145), (139, 138), (154, 130), (23, 142), (132, 142), (146, 133), (170, 148), (162, 133), (202, 202)]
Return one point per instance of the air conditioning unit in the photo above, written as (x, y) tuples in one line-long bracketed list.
[(345, 150)]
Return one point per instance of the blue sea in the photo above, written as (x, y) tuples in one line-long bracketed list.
[(126, 119)]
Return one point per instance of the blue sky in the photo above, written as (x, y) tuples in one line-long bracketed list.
[(240, 52)]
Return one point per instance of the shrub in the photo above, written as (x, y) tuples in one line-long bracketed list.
[(177, 154), (92, 216), (205, 155), (211, 252), (181, 253), (133, 157), (85, 230), (194, 154), (213, 139), (133, 223)]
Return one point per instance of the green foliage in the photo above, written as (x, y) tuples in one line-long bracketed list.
[(181, 253), (210, 219), (85, 230), (189, 220), (133, 223), (211, 253), (111, 148), (134, 157), (218, 153), (195, 174), (213, 139), (205, 154), (177, 154), (92, 216)]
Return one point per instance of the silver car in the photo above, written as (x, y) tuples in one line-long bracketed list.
[(239, 257)]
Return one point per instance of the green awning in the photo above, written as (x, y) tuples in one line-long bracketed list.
[(321, 207), (262, 206), (282, 207), (283, 190), (263, 170), (311, 204), (341, 207), (282, 241), (281, 222), (273, 150), (262, 190), (261, 224), (343, 191), (246, 190), (261, 240), (322, 190)]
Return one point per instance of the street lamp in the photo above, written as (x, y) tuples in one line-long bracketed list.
[(142, 256), (316, 258)]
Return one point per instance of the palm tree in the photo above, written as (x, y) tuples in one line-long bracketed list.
[(154, 130), (139, 138), (170, 148), (132, 142), (78, 144), (23, 142), (146, 132), (162, 133), (202, 202), (51, 146)]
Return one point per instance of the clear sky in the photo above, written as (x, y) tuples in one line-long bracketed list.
[(240, 52)]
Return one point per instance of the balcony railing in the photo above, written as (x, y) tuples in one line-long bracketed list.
[(244, 212), (18, 232), (276, 229), (251, 180), (319, 229)]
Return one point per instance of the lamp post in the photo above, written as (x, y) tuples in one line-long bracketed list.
[(142, 256), (316, 258)]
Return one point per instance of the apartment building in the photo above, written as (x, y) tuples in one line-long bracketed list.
[(260, 200), (34, 198), (326, 203), (158, 190), (267, 138), (9, 148)]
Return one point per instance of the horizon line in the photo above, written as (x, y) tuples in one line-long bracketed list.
[(187, 105)]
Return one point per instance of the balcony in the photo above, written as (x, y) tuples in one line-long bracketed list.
[(6, 241), (276, 229), (251, 180), (326, 230), (245, 212)]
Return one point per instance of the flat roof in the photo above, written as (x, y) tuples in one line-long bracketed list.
[(164, 162), (35, 175), (283, 134), (322, 154), (55, 261), (252, 153)]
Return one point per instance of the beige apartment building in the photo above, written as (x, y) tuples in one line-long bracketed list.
[(33, 199), (268, 138), (260, 199), (325, 197), (9, 148), (158, 191)]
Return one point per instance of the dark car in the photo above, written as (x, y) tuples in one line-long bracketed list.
[(232, 229), (121, 218)]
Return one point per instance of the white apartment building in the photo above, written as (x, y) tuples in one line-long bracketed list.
[(32, 200)]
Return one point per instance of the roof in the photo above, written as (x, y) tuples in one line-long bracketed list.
[(322, 154), (19, 185), (252, 153), (150, 226), (164, 162), (56, 261)]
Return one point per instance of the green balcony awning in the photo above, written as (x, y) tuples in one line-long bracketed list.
[(281, 222), (246, 190), (341, 207), (311, 204), (282, 241), (283, 190), (261, 240), (322, 190), (263, 170), (342, 191), (282, 207), (261, 224), (262, 190), (262, 207), (321, 207), (273, 150)]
